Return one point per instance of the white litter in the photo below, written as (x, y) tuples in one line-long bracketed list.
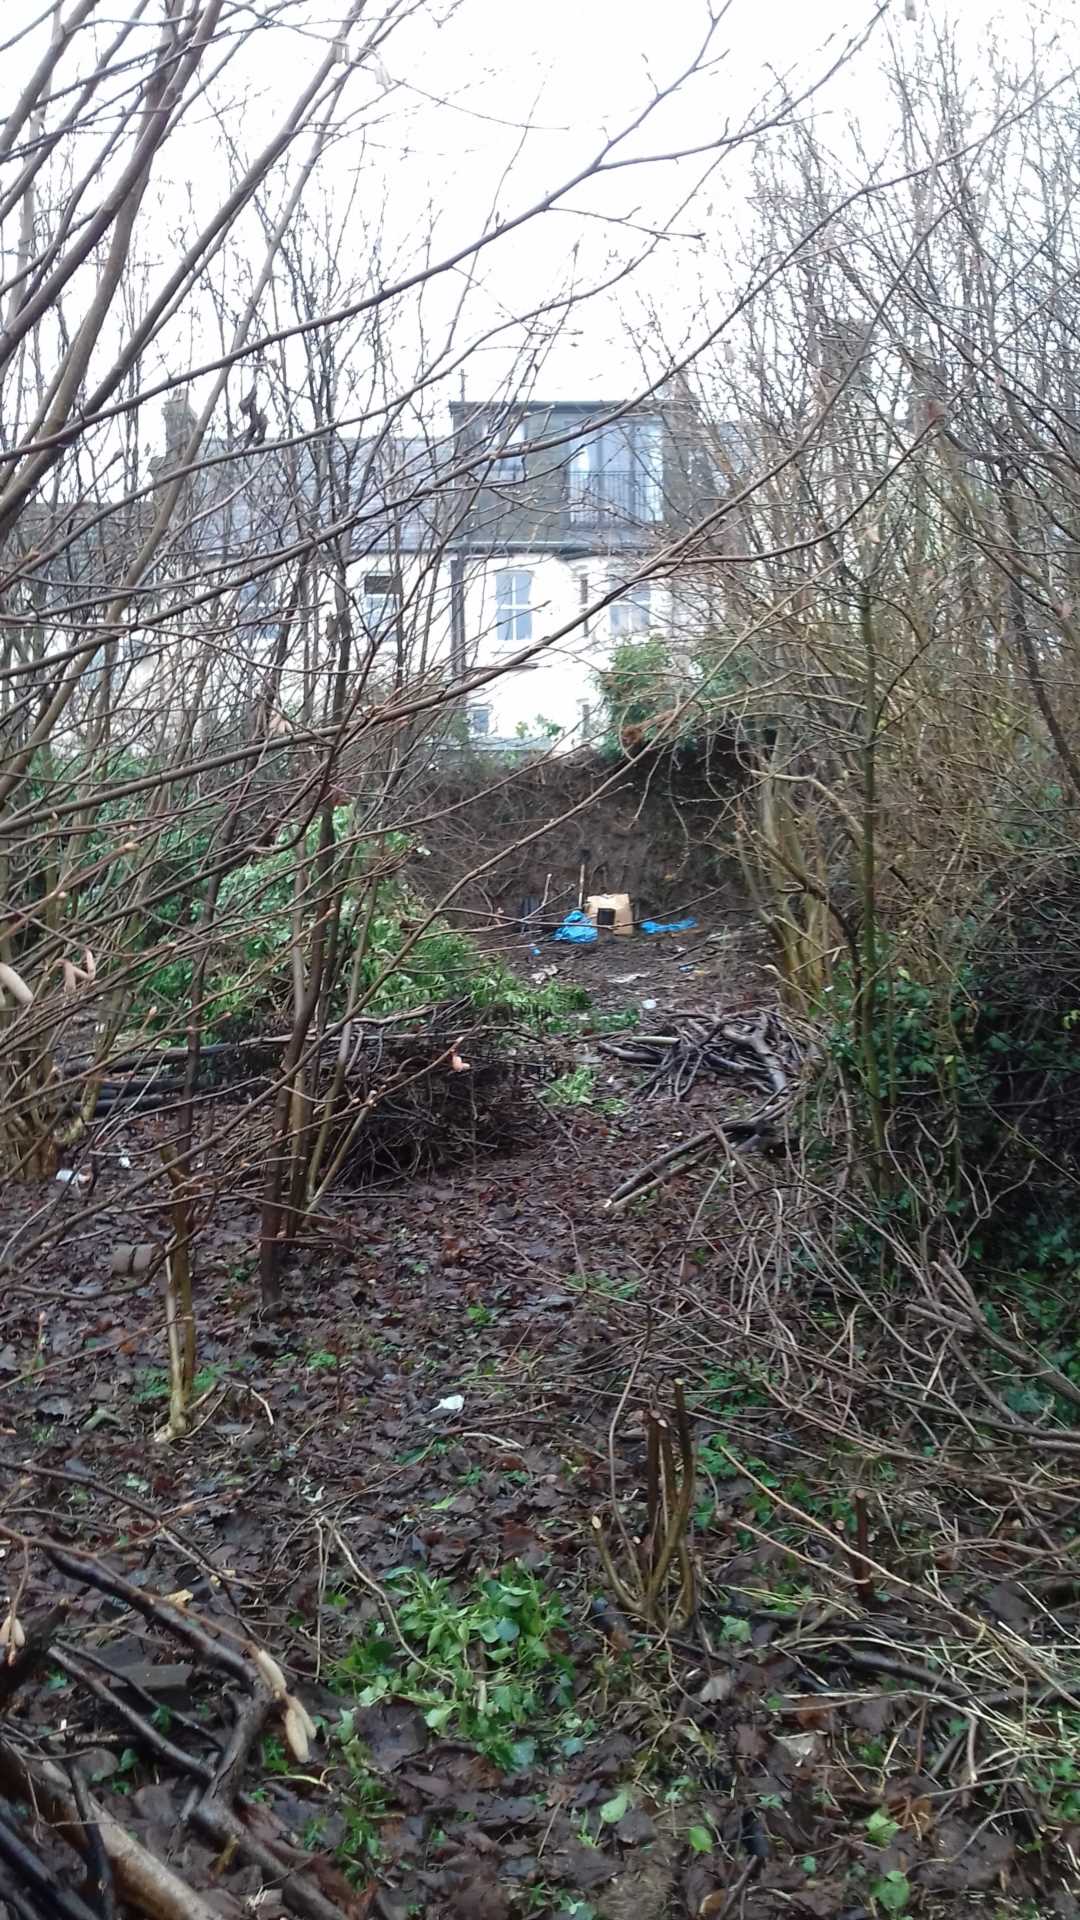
[(718, 1687), (625, 979), (649, 1005), (454, 1403)]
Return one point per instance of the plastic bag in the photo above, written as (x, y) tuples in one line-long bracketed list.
[(577, 928)]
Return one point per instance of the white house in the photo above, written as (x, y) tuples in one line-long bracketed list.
[(548, 508), (505, 603), (458, 552)]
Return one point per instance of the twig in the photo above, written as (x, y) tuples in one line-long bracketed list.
[(209, 1814), (142, 1729), (613, 1426), (247, 1727), (99, 1879), (669, 1498), (139, 1877), (89, 1572), (733, 1892)]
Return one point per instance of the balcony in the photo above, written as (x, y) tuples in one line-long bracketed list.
[(614, 496)]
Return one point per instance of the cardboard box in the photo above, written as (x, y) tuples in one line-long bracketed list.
[(610, 912)]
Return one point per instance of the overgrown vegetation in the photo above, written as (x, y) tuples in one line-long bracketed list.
[(488, 1668), (805, 1432), (656, 694)]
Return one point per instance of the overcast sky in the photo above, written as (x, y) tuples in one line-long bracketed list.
[(490, 106), (493, 104), (481, 105)]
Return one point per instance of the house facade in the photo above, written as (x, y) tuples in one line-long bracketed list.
[(454, 553), (548, 508)]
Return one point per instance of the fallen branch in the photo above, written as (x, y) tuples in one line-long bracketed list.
[(209, 1814), (44, 1892), (740, 1134), (99, 1873), (215, 1783), (761, 1053), (138, 1876)]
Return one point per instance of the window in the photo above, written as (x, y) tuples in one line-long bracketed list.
[(382, 599), (618, 475), (479, 719), (630, 614), (513, 592), (583, 502), (510, 460), (647, 467)]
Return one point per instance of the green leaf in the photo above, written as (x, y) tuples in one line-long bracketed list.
[(700, 1839), (504, 1630), (735, 1629), (437, 1717), (612, 1810), (809, 1863), (880, 1830), (892, 1891)]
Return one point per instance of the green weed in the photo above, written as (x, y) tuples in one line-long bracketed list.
[(1057, 1779), (153, 1383), (487, 1667), (625, 1021), (892, 1892), (249, 971), (574, 1089), (364, 1804), (607, 1284), (274, 1757), (880, 1829)]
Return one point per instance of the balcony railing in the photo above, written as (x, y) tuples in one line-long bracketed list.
[(613, 494)]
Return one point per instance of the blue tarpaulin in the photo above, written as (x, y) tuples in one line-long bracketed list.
[(667, 926), (576, 928)]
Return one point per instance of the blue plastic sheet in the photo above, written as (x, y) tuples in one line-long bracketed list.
[(577, 928), (665, 926)]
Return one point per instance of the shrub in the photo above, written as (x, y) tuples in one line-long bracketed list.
[(977, 1064), (248, 983)]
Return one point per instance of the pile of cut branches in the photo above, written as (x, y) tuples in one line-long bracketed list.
[(433, 1099), (394, 1094), (762, 1055), (759, 1052), (67, 1848)]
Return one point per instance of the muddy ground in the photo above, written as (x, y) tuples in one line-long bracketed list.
[(442, 1403)]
